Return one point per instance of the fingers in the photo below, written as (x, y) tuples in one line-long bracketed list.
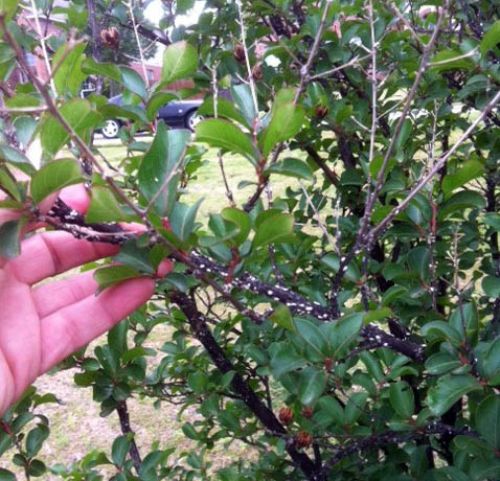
[(51, 297), (51, 253), (74, 326)]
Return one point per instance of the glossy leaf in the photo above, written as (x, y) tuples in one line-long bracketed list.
[(488, 420), (274, 229), (180, 60), (54, 176), (103, 206), (402, 399), (160, 168), (111, 275), (286, 120), (225, 135), (448, 390)]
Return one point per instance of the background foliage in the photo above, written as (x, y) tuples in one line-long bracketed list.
[(345, 328)]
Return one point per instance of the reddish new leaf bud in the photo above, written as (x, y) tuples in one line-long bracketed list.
[(239, 53), (321, 111), (110, 37), (328, 363), (285, 415), (308, 412), (303, 439), (257, 72), (166, 224)]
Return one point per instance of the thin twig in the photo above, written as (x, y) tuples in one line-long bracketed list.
[(139, 46), (320, 222), (438, 165), (355, 60), (251, 81), (34, 10), (304, 70)]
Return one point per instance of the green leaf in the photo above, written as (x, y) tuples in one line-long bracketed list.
[(441, 330), (109, 70), (8, 8), (225, 109), (354, 407), (119, 450), (6, 475), (342, 333), (242, 96), (286, 121), (441, 363), (491, 286), (488, 420), (418, 261), (465, 199), (35, 439), (67, 65), (284, 359), (9, 185), (292, 168), (450, 60), (157, 101), (275, 228), (492, 219), (103, 206), (332, 261), (404, 135), (137, 258), (468, 171), (182, 219), (160, 169), (180, 60), (241, 219), (312, 383), (283, 318), (225, 135), (78, 114), (448, 390), (491, 38), (402, 400), (25, 128), (392, 294), (312, 335), (465, 317), (10, 234), (16, 158), (53, 177), (111, 275), (377, 315), (330, 410), (132, 81)]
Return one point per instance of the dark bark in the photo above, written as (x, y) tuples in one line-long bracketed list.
[(124, 417), (203, 334)]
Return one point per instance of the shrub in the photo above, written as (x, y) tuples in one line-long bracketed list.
[(344, 326)]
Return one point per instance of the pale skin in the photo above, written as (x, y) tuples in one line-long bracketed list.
[(42, 324)]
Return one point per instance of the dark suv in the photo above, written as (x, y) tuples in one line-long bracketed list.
[(178, 113)]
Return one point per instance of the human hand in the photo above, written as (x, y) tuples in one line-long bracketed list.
[(40, 325)]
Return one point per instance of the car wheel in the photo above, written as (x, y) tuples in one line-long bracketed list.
[(110, 129), (193, 118)]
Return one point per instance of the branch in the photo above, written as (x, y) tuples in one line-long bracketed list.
[(203, 334), (320, 162), (438, 165), (124, 417), (392, 437), (204, 268)]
